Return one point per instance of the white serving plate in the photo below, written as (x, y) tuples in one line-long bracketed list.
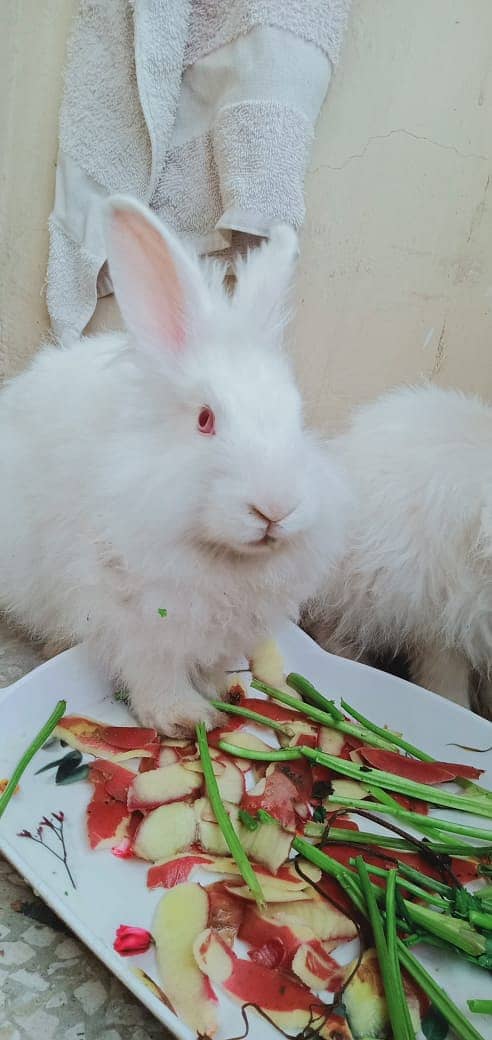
[(111, 891)]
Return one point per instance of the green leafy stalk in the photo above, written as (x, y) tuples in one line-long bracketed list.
[(454, 1017), (34, 746), (411, 788), (382, 796), (323, 717), (388, 735), (441, 925), (320, 859), (480, 1007), (409, 886), (394, 1004), (313, 696), (223, 819), (391, 942), (416, 752), (449, 1010), (282, 755), (330, 866), (424, 880), (338, 835), (253, 716), (452, 929), (391, 740), (471, 788), (426, 824), (481, 920)]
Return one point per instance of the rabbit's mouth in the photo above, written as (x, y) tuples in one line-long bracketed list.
[(266, 540), (259, 547), (267, 544)]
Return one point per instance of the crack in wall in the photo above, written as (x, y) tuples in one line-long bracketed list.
[(405, 133), (440, 352), (479, 210)]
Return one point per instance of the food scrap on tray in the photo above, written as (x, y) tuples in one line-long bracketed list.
[(301, 861)]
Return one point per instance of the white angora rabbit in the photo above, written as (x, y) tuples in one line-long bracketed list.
[(167, 468), (417, 575)]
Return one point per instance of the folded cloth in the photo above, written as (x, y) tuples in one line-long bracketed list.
[(204, 109)]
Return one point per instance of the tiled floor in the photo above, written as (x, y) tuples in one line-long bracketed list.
[(51, 987)]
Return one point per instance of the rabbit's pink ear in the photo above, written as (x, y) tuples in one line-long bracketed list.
[(159, 288)]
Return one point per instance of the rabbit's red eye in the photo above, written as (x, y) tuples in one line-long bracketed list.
[(206, 421)]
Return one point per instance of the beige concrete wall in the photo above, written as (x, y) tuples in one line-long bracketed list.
[(32, 46), (396, 279), (396, 272)]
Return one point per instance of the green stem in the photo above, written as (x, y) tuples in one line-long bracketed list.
[(36, 744), (322, 717), (452, 930), (409, 886), (313, 696), (423, 879), (452, 1014), (419, 821), (411, 788), (383, 797), (337, 835), (330, 866), (388, 735), (283, 755), (480, 1007), (391, 942), (396, 1014), (320, 859), (455, 1018), (426, 824), (224, 821), (481, 920), (253, 716), (416, 752)]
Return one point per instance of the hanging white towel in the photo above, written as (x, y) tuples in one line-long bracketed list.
[(205, 109)]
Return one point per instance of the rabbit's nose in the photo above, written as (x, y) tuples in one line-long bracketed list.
[(272, 516)]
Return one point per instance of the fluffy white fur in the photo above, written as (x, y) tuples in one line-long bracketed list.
[(417, 575), (114, 505)]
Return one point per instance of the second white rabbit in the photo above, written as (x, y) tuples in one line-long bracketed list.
[(417, 574)]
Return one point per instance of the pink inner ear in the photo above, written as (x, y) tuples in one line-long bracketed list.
[(149, 290)]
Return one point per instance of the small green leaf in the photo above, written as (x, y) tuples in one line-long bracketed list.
[(265, 817), (434, 1025), (72, 759), (81, 773), (162, 612), (248, 821), (319, 814), (122, 696)]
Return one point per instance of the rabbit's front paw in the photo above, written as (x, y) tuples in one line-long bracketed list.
[(178, 718), (183, 722)]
